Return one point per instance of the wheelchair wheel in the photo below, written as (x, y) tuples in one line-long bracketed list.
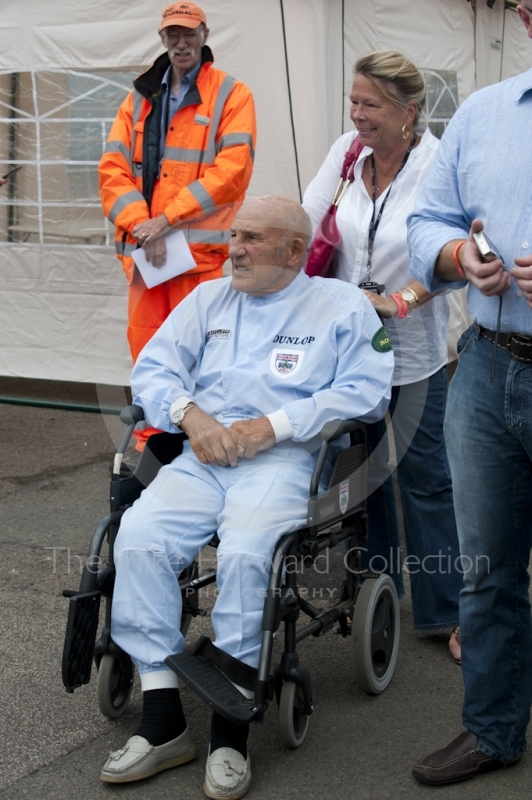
[(293, 722), (114, 686), (375, 634)]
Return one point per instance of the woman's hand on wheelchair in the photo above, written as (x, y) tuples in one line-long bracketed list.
[(210, 440), (251, 436)]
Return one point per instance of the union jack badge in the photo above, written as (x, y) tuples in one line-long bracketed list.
[(285, 363)]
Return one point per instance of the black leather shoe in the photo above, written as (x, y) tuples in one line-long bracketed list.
[(458, 761)]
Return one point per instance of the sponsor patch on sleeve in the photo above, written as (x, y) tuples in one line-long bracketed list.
[(381, 341)]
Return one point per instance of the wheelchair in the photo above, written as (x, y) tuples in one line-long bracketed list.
[(367, 609)]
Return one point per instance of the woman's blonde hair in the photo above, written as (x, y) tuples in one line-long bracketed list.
[(395, 77)]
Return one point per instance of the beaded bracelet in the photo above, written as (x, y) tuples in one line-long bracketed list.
[(401, 303), (457, 264)]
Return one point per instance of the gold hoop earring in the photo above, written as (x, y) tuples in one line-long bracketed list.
[(405, 131)]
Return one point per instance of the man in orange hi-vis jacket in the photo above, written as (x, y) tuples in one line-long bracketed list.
[(179, 156)]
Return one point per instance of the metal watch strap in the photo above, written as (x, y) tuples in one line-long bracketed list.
[(186, 408), (180, 413), (410, 298)]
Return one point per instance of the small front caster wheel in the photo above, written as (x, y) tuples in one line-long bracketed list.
[(115, 682), (293, 722)]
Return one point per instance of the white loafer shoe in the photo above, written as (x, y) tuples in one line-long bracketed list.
[(139, 759), (228, 774)]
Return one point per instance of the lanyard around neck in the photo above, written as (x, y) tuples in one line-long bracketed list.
[(374, 223)]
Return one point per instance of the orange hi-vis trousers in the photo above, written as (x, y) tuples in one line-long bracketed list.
[(148, 309)]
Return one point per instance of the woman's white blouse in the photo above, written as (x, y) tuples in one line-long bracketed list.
[(419, 340)]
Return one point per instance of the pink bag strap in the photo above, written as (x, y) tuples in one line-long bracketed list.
[(347, 175), (351, 158)]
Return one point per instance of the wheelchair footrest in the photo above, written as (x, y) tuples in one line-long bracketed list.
[(206, 680), (80, 637)]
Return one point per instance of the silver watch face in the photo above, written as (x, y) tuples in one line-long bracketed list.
[(179, 413), (177, 416), (408, 296)]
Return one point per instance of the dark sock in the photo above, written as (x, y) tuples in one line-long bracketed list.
[(162, 716), (227, 734)]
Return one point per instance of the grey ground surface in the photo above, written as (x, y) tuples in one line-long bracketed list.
[(53, 490)]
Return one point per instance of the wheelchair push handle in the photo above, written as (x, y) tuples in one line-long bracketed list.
[(129, 415)]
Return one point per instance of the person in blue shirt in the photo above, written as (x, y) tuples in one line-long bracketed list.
[(250, 368), (481, 180)]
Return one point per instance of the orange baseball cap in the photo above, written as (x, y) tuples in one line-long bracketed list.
[(188, 15)]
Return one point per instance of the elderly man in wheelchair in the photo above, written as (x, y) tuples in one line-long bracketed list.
[(250, 369)]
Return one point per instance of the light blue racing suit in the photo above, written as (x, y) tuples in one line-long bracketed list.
[(308, 354)]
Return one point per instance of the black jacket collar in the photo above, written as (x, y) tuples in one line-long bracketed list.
[(150, 81)]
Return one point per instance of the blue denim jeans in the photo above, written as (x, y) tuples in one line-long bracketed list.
[(488, 431), (433, 563)]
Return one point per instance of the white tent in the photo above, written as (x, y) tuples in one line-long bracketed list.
[(64, 67)]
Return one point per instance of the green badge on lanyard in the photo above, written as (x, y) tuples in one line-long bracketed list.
[(381, 341)]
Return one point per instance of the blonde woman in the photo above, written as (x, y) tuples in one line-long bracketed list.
[(387, 97)]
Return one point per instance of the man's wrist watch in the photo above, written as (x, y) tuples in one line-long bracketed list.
[(410, 298), (176, 417)]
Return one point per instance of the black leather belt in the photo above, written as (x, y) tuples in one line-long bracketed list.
[(518, 346)]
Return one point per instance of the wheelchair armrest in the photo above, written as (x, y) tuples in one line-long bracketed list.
[(130, 415), (331, 430), (337, 427)]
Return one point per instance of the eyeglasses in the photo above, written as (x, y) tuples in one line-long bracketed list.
[(190, 36)]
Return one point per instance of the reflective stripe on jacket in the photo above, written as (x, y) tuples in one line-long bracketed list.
[(206, 165)]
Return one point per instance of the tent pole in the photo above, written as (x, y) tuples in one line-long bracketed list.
[(343, 66), (13, 101), (290, 103), (502, 39)]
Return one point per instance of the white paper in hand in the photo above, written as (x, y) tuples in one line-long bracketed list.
[(178, 260)]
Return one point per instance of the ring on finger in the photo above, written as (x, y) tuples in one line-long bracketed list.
[(240, 450)]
